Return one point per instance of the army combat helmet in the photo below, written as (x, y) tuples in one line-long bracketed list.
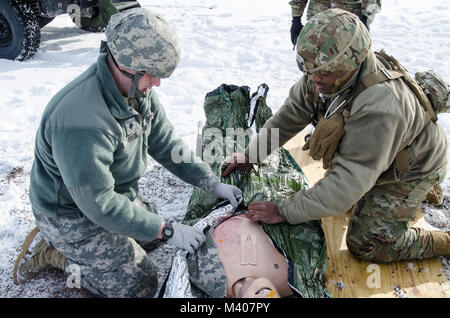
[(141, 40), (332, 41)]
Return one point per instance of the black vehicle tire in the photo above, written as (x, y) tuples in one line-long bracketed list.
[(94, 24), (20, 34)]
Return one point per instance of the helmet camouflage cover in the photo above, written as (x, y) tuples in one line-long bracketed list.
[(141, 40), (332, 41)]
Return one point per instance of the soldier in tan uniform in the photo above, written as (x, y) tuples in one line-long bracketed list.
[(364, 9), (359, 135)]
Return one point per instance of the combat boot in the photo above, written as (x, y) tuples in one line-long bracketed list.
[(42, 256), (441, 243)]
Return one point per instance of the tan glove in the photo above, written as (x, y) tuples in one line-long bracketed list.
[(325, 139)]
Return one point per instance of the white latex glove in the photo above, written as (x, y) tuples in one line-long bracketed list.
[(229, 192), (210, 183), (186, 237)]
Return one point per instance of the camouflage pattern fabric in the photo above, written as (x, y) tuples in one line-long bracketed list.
[(378, 229), (332, 41), (274, 179), (110, 264), (141, 40), (220, 107), (437, 90), (370, 8), (360, 8), (206, 270)]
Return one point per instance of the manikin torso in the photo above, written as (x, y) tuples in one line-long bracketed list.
[(246, 251)]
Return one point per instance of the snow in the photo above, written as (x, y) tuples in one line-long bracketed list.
[(233, 42)]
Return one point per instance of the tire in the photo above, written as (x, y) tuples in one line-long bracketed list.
[(94, 24), (20, 34)]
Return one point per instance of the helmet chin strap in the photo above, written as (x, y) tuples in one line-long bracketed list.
[(133, 91)]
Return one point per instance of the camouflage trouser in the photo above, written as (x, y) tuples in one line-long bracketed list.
[(109, 264), (378, 230), (316, 6), (206, 271)]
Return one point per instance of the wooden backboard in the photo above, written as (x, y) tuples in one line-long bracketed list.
[(347, 276)]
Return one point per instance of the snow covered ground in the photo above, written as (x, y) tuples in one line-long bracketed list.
[(234, 42)]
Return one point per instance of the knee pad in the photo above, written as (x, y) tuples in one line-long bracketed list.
[(370, 251)]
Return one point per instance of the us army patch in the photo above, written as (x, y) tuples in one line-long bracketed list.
[(132, 128)]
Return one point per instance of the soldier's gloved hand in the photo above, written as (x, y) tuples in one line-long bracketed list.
[(229, 192), (325, 139), (296, 28), (186, 237), (212, 184)]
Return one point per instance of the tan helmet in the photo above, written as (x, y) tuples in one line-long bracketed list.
[(332, 41)]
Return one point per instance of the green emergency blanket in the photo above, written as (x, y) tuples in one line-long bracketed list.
[(274, 179)]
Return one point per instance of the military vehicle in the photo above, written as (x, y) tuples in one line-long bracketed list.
[(21, 21)]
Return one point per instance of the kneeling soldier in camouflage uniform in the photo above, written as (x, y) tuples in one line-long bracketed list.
[(90, 153), (364, 9), (382, 151)]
